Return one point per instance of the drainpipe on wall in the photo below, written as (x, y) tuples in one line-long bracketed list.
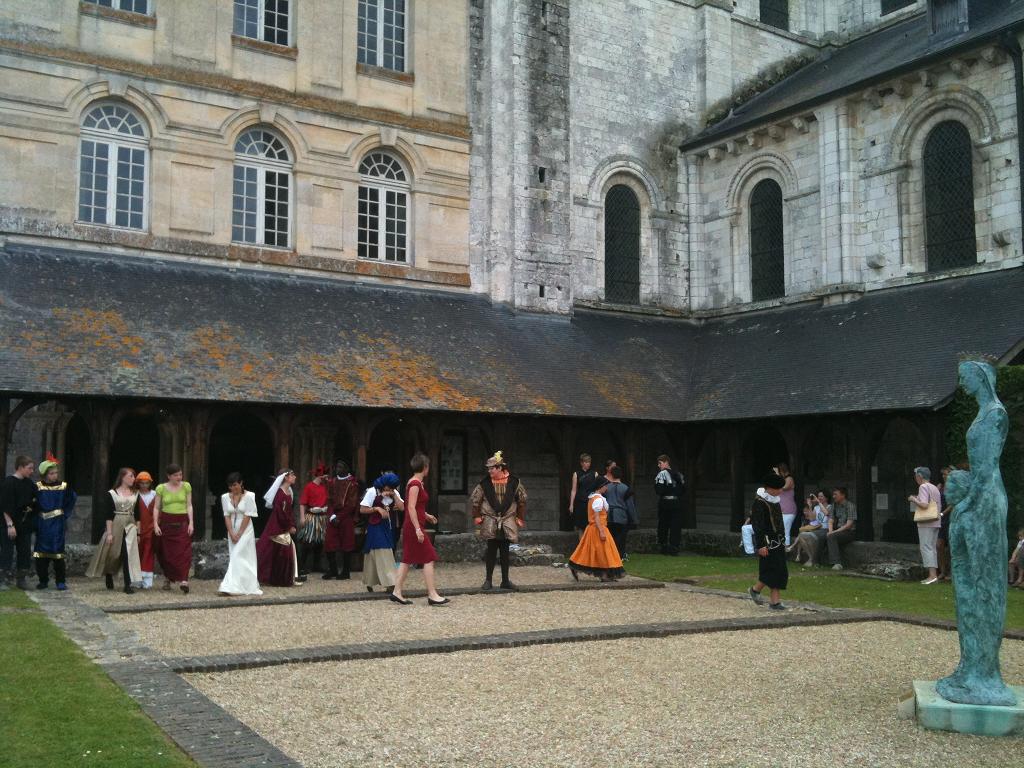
[(1011, 45)]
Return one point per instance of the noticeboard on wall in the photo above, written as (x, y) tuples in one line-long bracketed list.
[(453, 463)]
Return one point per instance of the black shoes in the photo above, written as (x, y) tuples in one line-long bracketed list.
[(329, 575), (369, 589), (509, 586), (442, 601), (110, 580), (42, 585), (487, 586), (399, 600), (130, 590), (572, 570), (344, 575)]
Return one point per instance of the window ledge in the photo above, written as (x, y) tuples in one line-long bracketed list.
[(284, 51), (92, 225), (113, 14), (408, 78)]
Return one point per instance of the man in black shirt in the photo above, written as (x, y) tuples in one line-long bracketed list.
[(669, 485), (17, 501)]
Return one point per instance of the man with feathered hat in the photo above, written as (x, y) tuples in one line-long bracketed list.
[(499, 508), (55, 503)]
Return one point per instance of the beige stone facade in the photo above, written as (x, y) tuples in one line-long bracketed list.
[(196, 87)]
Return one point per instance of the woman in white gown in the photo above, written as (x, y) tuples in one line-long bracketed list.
[(239, 506)]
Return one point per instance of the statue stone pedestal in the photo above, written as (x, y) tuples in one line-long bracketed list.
[(935, 713)]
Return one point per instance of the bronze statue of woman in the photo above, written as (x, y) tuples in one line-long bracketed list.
[(977, 539)]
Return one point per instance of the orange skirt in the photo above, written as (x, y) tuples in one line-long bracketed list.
[(595, 556)]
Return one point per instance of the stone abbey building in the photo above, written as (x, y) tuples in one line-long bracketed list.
[(247, 234)]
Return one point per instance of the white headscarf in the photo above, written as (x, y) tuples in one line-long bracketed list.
[(269, 496), (767, 496)]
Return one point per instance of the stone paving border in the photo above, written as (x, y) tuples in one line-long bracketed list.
[(205, 731), (237, 661), (355, 597)]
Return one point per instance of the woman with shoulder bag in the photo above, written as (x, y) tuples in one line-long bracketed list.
[(927, 505)]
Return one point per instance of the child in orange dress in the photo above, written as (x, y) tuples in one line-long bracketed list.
[(596, 553)]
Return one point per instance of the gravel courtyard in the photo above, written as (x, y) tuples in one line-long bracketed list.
[(264, 628), (801, 697)]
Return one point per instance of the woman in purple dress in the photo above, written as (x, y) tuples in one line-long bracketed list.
[(275, 552)]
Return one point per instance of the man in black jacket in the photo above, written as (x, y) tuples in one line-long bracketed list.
[(17, 505), (669, 485)]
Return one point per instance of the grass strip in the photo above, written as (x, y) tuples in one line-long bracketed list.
[(58, 708), (825, 587)]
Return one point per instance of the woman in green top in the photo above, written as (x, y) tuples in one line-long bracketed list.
[(172, 524)]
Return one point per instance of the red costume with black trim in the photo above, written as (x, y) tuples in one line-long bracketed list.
[(343, 503)]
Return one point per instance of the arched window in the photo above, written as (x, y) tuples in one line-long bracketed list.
[(621, 246), (261, 209), (767, 251), (949, 198), (112, 177), (383, 209)]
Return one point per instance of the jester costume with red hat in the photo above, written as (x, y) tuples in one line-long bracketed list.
[(55, 502), (313, 509), (343, 510)]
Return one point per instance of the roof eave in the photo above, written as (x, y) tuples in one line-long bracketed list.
[(698, 143)]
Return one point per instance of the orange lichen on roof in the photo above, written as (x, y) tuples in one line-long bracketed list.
[(105, 329), (215, 344), (383, 372), (545, 404), (620, 390)]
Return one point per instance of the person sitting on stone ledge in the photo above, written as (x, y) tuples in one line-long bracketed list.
[(842, 526), (1016, 576), (814, 531)]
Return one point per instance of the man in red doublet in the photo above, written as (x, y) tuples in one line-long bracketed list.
[(343, 508)]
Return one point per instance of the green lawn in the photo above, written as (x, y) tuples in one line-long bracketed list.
[(821, 586), (57, 708)]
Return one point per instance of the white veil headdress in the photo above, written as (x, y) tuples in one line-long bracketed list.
[(269, 496)]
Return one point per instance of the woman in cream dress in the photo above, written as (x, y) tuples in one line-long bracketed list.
[(119, 547), (239, 506)]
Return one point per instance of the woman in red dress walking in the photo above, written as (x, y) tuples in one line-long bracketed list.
[(416, 547)]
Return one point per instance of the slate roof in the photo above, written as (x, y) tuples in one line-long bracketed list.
[(905, 46), (119, 326)]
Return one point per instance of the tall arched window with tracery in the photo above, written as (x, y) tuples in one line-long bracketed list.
[(261, 201), (112, 178), (950, 239), (767, 242), (621, 246), (383, 218)]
